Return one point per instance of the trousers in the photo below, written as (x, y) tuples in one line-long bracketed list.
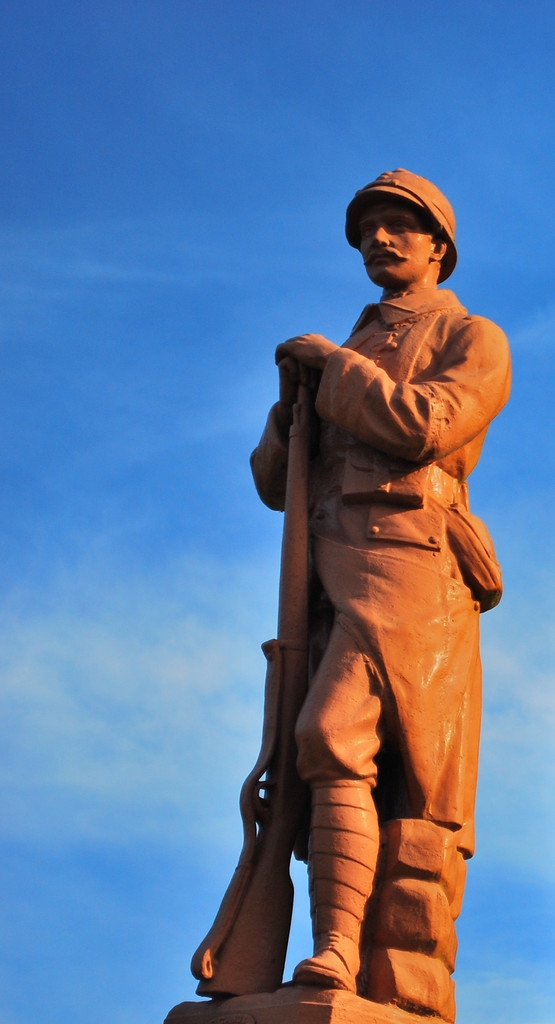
[(396, 697)]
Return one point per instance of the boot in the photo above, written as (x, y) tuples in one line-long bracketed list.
[(343, 848)]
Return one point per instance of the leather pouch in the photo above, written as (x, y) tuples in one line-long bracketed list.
[(470, 541)]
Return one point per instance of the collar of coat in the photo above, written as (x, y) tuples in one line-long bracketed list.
[(394, 311)]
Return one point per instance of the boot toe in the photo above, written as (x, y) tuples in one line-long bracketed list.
[(326, 970)]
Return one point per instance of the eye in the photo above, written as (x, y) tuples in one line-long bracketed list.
[(400, 224)]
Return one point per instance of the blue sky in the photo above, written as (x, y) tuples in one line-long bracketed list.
[(173, 184)]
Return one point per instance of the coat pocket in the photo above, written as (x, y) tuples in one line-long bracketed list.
[(370, 476), (422, 528)]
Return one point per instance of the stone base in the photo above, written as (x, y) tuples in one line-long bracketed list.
[(294, 1004)]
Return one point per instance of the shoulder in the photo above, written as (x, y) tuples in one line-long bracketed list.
[(481, 346), (454, 333), (478, 329), (450, 308)]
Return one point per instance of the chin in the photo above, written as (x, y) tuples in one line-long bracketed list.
[(383, 277)]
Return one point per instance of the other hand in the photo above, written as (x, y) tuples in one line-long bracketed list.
[(308, 349), (298, 360)]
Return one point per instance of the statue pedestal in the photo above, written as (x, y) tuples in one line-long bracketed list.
[(293, 1004)]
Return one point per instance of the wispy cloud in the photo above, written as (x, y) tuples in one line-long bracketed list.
[(155, 250), (517, 773), (537, 332), (491, 996), (125, 716)]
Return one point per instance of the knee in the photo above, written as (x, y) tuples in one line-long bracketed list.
[(315, 754), (327, 754)]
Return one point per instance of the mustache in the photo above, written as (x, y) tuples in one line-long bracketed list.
[(379, 251)]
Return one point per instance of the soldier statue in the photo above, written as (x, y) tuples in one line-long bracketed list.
[(385, 733)]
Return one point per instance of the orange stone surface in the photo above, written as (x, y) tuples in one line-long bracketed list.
[(369, 756)]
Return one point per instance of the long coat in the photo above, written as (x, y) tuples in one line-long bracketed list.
[(404, 407)]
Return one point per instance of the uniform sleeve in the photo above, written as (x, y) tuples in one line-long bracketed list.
[(269, 465), (428, 418)]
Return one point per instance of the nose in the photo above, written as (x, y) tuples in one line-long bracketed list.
[(381, 236), (375, 237)]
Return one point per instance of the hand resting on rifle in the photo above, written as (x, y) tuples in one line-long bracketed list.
[(298, 361)]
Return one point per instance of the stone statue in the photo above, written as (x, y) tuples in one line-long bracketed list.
[(370, 748)]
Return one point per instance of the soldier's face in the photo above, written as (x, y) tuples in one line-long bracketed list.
[(397, 250)]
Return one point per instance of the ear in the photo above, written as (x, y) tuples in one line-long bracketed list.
[(439, 248)]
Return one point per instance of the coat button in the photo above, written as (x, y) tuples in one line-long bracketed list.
[(375, 529)]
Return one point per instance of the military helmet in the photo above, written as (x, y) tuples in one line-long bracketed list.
[(413, 189)]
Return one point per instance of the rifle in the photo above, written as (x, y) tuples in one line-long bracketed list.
[(245, 949)]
